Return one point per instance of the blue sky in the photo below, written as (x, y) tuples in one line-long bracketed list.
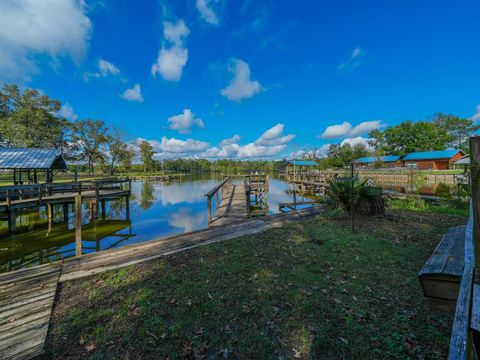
[(246, 79)]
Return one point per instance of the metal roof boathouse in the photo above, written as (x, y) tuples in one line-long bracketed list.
[(29, 165)]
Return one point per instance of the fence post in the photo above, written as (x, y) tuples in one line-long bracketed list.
[(78, 225)]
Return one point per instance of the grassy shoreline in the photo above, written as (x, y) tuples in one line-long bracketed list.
[(306, 290)]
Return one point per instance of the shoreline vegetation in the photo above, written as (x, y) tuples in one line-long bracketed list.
[(305, 290)]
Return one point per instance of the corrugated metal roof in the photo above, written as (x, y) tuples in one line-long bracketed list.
[(303, 162), (20, 158), (432, 155), (372, 159)]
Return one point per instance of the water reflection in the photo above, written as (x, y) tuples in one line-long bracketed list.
[(156, 210)]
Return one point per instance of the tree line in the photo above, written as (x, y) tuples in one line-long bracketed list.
[(29, 119), (442, 132)]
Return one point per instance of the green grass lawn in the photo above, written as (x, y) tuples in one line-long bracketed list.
[(306, 290)]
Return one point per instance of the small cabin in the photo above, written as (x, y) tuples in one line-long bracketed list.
[(432, 160), (388, 161), (31, 166)]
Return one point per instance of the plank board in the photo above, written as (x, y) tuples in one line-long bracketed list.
[(233, 206), (26, 303)]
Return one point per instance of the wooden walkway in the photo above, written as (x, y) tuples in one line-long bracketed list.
[(233, 206), (26, 303), (27, 296)]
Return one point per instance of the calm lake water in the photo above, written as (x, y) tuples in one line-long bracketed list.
[(156, 210)]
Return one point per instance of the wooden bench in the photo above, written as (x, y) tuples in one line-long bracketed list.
[(440, 277)]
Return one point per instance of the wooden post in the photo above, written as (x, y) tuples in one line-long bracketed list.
[(50, 215), (475, 179), (103, 209), (78, 225), (65, 212), (12, 221), (127, 207), (209, 209)]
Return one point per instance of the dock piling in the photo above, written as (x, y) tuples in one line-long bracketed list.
[(78, 225)]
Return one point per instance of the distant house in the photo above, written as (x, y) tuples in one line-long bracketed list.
[(300, 166), (387, 161), (29, 165), (434, 160)]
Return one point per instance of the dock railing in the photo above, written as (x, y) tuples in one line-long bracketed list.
[(465, 338), (214, 192), (40, 191)]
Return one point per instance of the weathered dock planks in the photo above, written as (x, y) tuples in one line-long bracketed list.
[(26, 302), (233, 206)]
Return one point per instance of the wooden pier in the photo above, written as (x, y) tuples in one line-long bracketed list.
[(20, 197), (233, 199)]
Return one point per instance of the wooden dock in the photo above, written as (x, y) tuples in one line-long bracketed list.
[(26, 303), (27, 296), (233, 203), (233, 206), (18, 197)]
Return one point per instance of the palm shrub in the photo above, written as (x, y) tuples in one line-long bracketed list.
[(365, 199)]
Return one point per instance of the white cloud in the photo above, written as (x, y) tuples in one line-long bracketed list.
[(355, 60), (173, 145), (133, 94), (206, 12), (106, 68), (274, 136), (31, 28), (229, 141), (172, 58), (335, 131), (184, 122), (270, 143), (356, 140), (241, 86), (66, 111), (476, 116), (346, 129)]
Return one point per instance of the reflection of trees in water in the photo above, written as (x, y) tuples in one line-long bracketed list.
[(116, 209), (146, 196)]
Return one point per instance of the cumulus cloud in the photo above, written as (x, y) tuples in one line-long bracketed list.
[(206, 12), (133, 94), (274, 136), (270, 143), (241, 86), (355, 60), (356, 140), (229, 148), (229, 141), (184, 122), (31, 28), (187, 220), (66, 111), (476, 116), (173, 55), (346, 129), (106, 69)]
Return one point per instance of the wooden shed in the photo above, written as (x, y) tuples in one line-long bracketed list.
[(31, 165), (432, 160)]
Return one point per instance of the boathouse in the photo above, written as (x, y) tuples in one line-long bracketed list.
[(385, 161), (31, 166), (300, 166), (432, 160)]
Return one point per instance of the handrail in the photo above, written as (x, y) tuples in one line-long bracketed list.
[(459, 341), (218, 187)]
